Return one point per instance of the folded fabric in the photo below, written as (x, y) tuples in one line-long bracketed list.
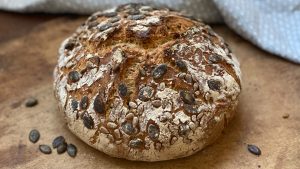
[(273, 25)]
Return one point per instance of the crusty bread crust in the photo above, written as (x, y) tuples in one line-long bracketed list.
[(146, 84)]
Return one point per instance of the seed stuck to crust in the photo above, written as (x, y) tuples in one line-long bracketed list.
[(153, 131), (145, 93), (114, 19), (254, 149), (181, 65), (105, 27), (109, 14), (168, 52), (34, 136), (187, 97), (88, 121), (136, 143), (30, 102), (72, 150), (84, 103), (70, 45), (58, 141), (92, 24), (74, 105), (159, 71), (214, 58), (128, 128), (136, 17), (214, 84), (156, 103), (122, 90), (99, 106), (132, 105), (74, 76), (192, 109), (45, 149), (183, 129)]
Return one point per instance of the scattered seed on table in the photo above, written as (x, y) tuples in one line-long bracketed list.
[(254, 149), (58, 141), (45, 149), (30, 102), (34, 136), (62, 148), (72, 150), (285, 115)]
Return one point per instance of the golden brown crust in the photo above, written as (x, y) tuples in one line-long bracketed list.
[(146, 84)]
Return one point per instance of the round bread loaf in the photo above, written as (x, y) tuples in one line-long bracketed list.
[(146, 84)]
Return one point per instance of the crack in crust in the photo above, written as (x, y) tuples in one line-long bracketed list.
[(151, 84)]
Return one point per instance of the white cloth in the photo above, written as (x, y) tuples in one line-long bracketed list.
[(273, 25)]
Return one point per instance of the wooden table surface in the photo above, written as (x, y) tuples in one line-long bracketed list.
[(28, 53)]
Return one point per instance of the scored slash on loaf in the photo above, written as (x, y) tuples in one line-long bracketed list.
[(146, 84)]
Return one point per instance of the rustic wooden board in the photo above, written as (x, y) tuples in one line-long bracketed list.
[(28, 53)]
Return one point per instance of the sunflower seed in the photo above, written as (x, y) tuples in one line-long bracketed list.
[(104, 130), (72, 150), (112, 125), (132, 105), (129, 116), (45, 149), (117, 133), (34, 136), (195, 86)]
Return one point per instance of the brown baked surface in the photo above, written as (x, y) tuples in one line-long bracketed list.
[(147, 84)]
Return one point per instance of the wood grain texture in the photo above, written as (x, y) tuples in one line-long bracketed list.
[(271, 87)]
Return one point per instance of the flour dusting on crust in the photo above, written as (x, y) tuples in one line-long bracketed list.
[(146, 84)]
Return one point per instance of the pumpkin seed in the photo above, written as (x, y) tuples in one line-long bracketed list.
[(45, 149), (71, 150), (34, 136)]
